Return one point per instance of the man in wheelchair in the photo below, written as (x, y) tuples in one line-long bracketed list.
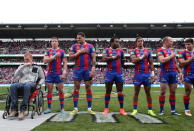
[(27, 75)]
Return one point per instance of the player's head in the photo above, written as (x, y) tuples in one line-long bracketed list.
[(28, 58), (114, 42), (81, 37), (189, 44), (139, 42), (167, 41), (54, 42)]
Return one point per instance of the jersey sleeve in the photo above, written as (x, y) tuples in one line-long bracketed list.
[(181, 55), (122, 54), (63, 53), (46, 53), (132, 52), (149, 54), (92, 49), (104, 53), (159, 53), (72, 50)]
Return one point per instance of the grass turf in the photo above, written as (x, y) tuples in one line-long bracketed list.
[(84, 122)]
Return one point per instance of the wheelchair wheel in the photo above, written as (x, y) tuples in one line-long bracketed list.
[(8, 105), (39, 102), (5, 115)]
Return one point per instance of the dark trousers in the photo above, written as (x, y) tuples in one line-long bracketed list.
[(25, 90)]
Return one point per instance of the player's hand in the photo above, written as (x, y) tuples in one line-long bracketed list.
[(180, 75), (118, 56), (173, 55), (57, 55), (92, 72), (192, 57), (84, 50), (153, 79), (145, 54), (38, 87)]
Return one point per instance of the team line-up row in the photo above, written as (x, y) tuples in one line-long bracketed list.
[(83, 54)]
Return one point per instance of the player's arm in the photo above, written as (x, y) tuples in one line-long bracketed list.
[(151, 63), (163, 59), (73, 54), (64, 66), (93, 55), (48, 59), (107, 58), (135, 59), (122, 59), (182, 61)]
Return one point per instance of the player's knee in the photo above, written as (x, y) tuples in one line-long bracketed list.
[(162, 93)]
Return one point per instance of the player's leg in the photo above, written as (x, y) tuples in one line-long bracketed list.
[(49, 84), (163, 87), (137, 81), (147, 88), (186, 97), (107, 96), (75, 96), (60, 87), (89, 94), (109, 79), (164, 80), (49, 97), (135, 99), (173, 86), (77, 77), (119, 86)]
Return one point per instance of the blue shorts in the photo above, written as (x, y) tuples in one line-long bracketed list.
[(142, 79), (53, 78), (169, 77), (113, 77), (81, 74), (189, 79)]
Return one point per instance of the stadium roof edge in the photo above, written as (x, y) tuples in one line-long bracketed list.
[(96, 30)]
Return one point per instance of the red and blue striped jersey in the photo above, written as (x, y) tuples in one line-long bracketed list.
[(55, 67), (114, 65), (169, 66), (83, 61), (143, 65), (188, 69)]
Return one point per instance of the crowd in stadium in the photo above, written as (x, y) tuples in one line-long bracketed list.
[(39, 47)]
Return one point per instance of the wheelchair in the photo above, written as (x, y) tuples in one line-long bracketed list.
[(35, 103)]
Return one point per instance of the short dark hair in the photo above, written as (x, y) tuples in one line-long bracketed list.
[(137, 38), (113, 39), (188, 40), (82, 34)]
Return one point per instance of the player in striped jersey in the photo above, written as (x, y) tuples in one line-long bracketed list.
[(85, 61), (114, 57), (57, 68), (144, 72), (186, 60), (168, 75)]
